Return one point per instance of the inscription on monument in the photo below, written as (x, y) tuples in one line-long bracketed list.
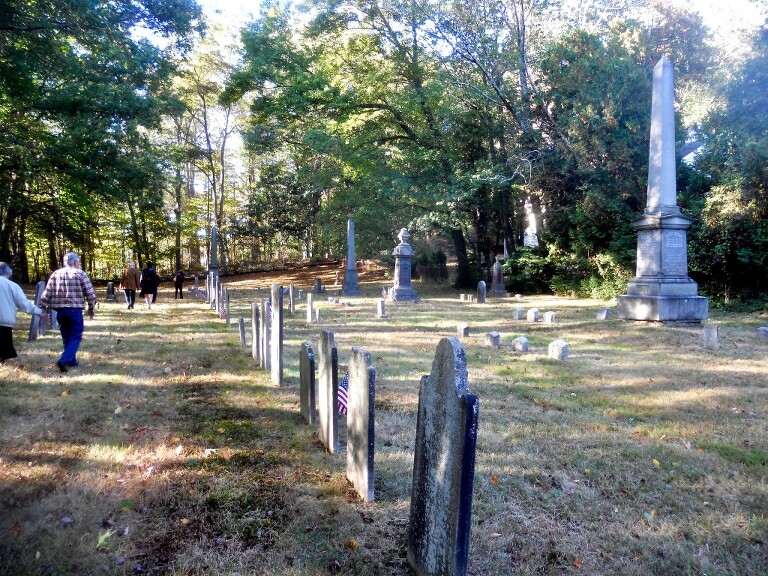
[(675, 256), (648, 253)]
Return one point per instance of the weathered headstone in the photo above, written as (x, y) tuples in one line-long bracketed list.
[(403, 253), (318, 286), (533, 315), (317, 316), (111, 296), (493, 339), (603, 314), (266, 333), (351, 286), (520, 344), (256, 332), (549, 317), (463, 297), (558, 350), (497, 279), (243, 341), (276, 344), (226, 307), (328, 391), (517, 314), (310, 305), (662, 290), (307, 387), (292, 299), (36, 324), (361, 397), (196, 285), (443, 467), (462, 330), (711, 336), (301, 293), (481, 292), (381, 311)]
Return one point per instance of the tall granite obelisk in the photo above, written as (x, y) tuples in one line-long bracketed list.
[(662, 290), (351, 286)]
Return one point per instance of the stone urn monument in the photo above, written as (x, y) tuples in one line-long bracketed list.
[(403, 253), (497, 279), (662, 290)]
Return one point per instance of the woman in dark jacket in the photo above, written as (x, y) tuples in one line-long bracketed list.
[(149, 282)]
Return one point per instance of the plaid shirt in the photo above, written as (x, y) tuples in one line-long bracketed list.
[(68, 288)]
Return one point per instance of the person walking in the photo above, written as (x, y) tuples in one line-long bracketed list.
[(12, 298), (67, 292), (130, 283), (178, 285), (149, 282)]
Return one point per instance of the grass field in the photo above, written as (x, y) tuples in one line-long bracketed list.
[(168, 452)]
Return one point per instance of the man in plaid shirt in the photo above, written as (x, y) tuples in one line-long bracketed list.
[(68, 290)]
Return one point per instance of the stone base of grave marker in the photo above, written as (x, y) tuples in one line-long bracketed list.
[(711, 337), (533, 315), (549, 317), (493, 339), (517, 314), (462, 330), (603, 314)]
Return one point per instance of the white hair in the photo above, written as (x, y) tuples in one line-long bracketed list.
[(5, 270), (70, 258)]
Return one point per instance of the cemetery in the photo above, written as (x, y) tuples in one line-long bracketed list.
[(458, 302)]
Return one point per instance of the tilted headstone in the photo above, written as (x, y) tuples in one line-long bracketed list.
[(517, 314), (403, 253), (351, 286), (266, 331), (493, 339), (328, 391), (549, 317), (292, 299), (462, 330), (310, 305), (361, 435), (533, 315), (307, 387), (443, 467), (558, 350), (276, 344), (111, 296), (481, 292), (711, 336), (256, 332), (381, 311), (520, 344), (241, 324), (603, 314)]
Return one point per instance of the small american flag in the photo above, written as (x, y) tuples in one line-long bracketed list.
[(343, 388)]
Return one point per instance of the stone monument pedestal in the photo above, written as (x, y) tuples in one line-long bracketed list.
[(403, 253)]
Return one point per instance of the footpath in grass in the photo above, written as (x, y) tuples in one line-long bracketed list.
[(168, 452)]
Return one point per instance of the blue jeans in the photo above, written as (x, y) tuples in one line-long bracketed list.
[(71, 326)]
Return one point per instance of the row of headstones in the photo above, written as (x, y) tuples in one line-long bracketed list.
[(444, 456), (558, 349), (432, 549)]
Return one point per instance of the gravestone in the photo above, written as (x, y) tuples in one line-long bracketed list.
[(196, 285), (338, 274), (243, 341), (403, 253), (662, 290), (307, 387), (301, 293), (276, 342), (351, 286), (762, 331), (213, 265), (493, 339), (226, 306), (381, 309), (266, 335), (463, 297), (292, 299), (310, 305), (711, 336), (111, 297), (603, 314), (328, 391), (361, 395), (558, 350), (481, 292), (520, 344), (256, 332), (497, 279), (36, 323), (462, 330), (318, 288), (533, 315), (470, 298), (317, 316), (517, 314), (549, 317), (443, 467)]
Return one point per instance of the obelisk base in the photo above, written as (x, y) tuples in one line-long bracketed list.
[(667, 300), (351, 286)]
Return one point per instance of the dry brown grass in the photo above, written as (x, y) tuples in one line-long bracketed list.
[(166, 452)]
